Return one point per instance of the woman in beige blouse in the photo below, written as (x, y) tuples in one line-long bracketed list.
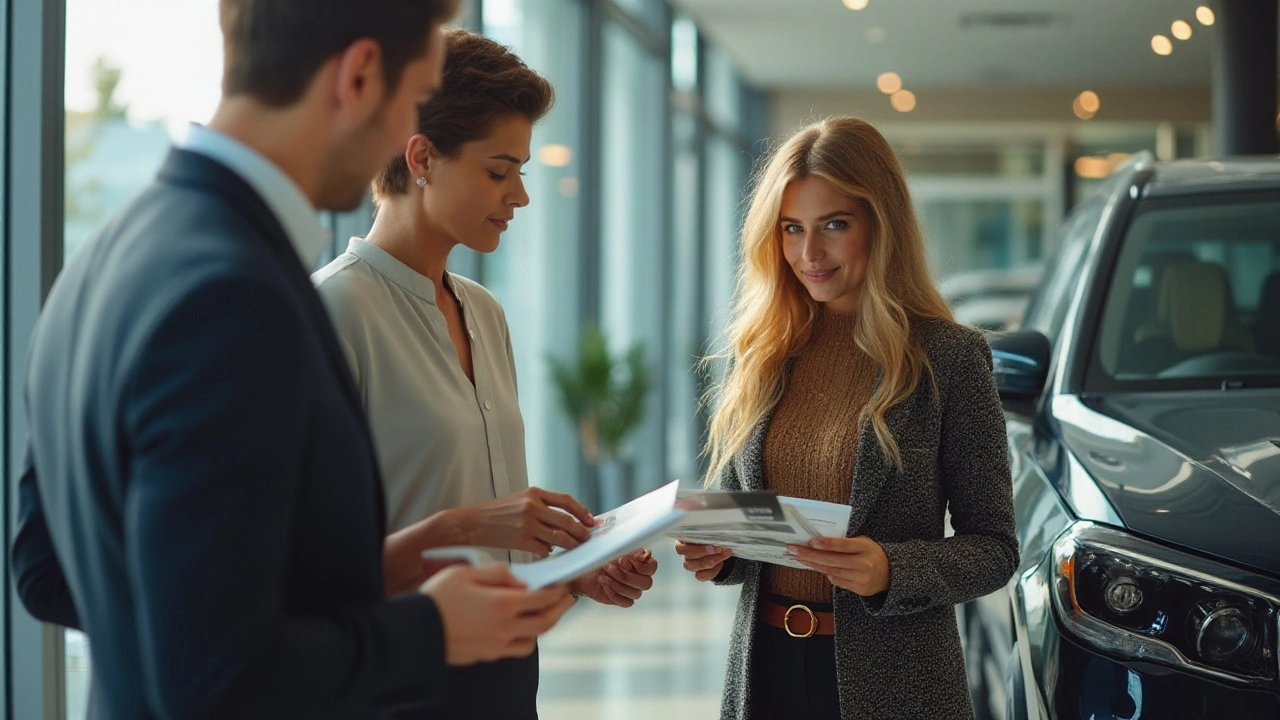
[(431, 354)]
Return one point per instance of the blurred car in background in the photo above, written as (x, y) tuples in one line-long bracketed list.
[(1142, 402), (992, 300)]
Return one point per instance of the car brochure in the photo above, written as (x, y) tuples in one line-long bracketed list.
[(617, 532), (757, 525)]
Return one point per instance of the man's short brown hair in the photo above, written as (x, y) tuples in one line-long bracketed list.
[(273, 48), (483, 81)]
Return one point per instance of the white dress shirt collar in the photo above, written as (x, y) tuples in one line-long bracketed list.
[(281, 194)]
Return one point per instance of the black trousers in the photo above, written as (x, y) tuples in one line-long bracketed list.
[(502, 690), (793, 678)]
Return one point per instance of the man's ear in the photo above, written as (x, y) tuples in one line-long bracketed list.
[(421, 156), (361, 87)]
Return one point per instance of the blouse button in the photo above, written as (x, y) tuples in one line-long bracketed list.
[(488, 405)]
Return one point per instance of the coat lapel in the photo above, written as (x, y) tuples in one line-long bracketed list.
[(871, 469), (751, 465)]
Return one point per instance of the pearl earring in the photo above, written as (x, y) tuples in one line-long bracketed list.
[(422, 182)]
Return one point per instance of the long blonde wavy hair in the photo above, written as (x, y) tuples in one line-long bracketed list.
[(773, 314)]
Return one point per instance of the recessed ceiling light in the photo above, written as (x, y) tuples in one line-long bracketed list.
[(1181, 29), (903, 101), (555, 155), (1081, 112), (875, 34), (1161, 45), (1092, 167), (1089, 101), (855, 4), (889, 83), (1205, 15)]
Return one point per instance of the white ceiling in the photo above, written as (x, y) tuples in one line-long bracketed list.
[(957, 43)]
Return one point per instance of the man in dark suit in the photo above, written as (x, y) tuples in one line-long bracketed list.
[(200, 493)]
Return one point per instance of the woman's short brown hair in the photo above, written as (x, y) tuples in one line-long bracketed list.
[(483, 81)]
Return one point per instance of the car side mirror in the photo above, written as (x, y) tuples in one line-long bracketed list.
[(1020, 365)]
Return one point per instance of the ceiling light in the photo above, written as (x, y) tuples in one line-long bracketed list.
[(568, 186), (1089, 101), (1181, 29), (903, 101), (889, 83), (1162, 45), (1205, 15), (1080, 112), (875, 34), (1092, 167), (855, 4), (555, 155)]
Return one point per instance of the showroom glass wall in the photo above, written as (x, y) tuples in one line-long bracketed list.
[(617, 233)]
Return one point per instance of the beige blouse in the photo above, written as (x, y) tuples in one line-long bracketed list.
[(441, 442)]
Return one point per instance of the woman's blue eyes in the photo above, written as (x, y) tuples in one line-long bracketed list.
[(792, 228)]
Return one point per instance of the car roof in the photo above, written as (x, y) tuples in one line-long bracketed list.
[(1182, 177)]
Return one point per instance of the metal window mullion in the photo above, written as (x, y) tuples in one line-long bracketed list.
[(35, 42), (647, 36), (667, 223)]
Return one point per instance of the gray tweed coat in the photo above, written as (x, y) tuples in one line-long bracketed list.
[(898, 653)]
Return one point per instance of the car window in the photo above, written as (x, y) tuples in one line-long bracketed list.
[(1048, 308), (1194, 299)]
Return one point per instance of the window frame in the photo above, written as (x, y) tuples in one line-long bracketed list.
[(35, 35)]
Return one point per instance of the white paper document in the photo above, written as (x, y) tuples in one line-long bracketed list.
[(617, 532), (757, 525)]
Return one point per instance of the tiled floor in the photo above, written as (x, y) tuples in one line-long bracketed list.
[(662, 658)]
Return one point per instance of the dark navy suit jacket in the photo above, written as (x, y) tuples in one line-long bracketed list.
[(200, 493)]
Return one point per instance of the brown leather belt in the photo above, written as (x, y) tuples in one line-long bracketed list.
[(798, 620)]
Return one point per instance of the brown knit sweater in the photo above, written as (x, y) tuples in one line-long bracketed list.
[(813, 438)]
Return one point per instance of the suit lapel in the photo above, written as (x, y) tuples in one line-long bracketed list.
[(190, 168), (195, 170)]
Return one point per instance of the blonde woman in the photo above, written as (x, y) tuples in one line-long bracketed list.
[(850, 382)]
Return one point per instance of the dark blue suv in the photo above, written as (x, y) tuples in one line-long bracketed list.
[(1143, 406)]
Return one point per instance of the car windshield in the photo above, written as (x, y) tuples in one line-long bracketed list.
[(1194, 301)]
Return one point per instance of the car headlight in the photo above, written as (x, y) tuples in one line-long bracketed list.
[(1139, 600)]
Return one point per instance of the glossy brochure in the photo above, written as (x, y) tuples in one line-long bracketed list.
[(757, 525), (617, 532)]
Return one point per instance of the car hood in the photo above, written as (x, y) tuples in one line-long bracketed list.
[(1196, 469)]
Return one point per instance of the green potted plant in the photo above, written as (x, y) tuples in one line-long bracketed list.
[(603, 394)]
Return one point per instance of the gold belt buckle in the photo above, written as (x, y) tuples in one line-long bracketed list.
[(813, 622)]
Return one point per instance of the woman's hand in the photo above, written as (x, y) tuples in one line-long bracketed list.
[(527, 520), (621, 582), (704, 561), (856, 564), (533, 520)]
